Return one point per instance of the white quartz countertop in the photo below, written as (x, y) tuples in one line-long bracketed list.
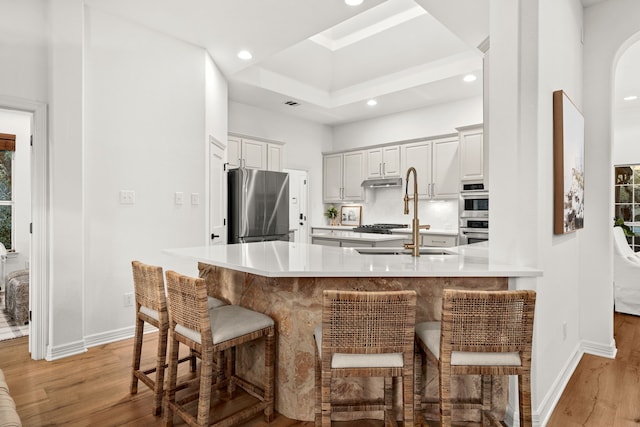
[(286, 259)]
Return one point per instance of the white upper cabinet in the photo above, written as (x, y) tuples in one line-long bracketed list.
[(436, 164), (343, 174), (445, 174), (383, 162), (253, 154), (418, 155), (274, 157), (471, 153)]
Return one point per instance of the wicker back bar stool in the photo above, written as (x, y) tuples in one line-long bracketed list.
[(481, 333), (151, 308), (210, 332), (365, 334)]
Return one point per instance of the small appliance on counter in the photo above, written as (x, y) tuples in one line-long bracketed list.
[(474, 213), (258, 205), (378, 228)]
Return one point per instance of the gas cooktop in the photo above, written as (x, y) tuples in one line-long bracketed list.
[(378, 228)]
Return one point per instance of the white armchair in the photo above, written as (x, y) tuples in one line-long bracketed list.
[(626, 275)]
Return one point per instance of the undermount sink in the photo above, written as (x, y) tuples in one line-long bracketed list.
[(402, 251)]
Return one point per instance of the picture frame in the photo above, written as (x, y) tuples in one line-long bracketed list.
[(568, 165), (351, 215)]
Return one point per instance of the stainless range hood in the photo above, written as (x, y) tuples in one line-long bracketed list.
[(382, 182)]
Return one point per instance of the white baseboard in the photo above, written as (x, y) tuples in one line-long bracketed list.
[(109, 337), (115, 335), (596, 349), (66, 350), (541, 414)]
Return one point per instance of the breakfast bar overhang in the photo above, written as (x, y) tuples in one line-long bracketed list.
[(285, 281)]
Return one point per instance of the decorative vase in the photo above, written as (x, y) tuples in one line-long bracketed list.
[(334, 222)]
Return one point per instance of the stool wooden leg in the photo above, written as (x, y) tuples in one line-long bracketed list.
[(206, 376), (325, 384), (269, 378), (388, 398), (137, 351), (524, 398), (445, 396), (231, 371), (170, 391), (408, 393), (161, 358), (318, 390)]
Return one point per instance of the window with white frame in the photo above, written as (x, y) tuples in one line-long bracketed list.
[(7, 148)]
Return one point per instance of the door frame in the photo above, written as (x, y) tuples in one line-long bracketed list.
[(39, 263), (213, 140)]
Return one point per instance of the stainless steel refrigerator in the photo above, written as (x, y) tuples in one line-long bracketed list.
[(258, 204)]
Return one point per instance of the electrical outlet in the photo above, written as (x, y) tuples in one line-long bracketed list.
[(128, 299)]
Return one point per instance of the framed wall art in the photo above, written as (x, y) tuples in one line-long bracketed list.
[(568, 165), (351, 215)]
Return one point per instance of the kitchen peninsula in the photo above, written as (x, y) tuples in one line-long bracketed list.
[(285, 281)]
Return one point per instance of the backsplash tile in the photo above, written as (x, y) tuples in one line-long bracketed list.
[(386, 205)]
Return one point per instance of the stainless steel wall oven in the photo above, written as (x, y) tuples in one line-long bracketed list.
[(474, 214)]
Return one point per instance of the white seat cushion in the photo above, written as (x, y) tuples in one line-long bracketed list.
[(228, 322), (345, 360), (149, 312), (429, 334), (215, 302)]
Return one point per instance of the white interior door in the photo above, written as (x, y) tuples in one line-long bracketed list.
[(217, 193), (298, 204)]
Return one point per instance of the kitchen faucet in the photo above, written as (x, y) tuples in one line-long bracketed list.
[(415, 231)]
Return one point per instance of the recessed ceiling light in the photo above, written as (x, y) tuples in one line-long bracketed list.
[(353, 2), (372, 102), (245, 54), (630, 98), (469, 78)]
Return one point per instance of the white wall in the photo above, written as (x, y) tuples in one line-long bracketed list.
[(560, 67), (626, 149), (609, 28), (536, 49), (304, 143), (66, 163), (145, 132), (23, 51), (418, 123), (19, 124)]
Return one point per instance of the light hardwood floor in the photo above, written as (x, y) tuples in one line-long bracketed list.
[(605, 392), (93, 388)]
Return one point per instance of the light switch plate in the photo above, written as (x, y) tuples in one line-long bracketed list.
[(195, 198), (179, 198), (127, 197)]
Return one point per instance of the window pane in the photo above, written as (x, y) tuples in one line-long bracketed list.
[(623, 194), (636, 174), (5, 226), (623, 175), (624, 212), (5, 175)]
